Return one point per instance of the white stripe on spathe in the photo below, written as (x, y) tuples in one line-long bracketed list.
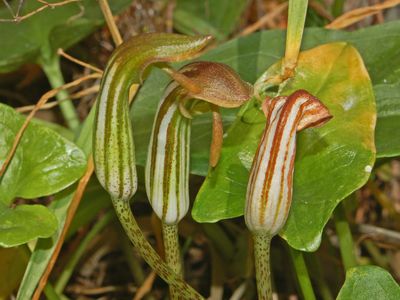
[(171, 207)]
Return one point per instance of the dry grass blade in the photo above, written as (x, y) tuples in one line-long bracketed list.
[(320, 9), (46, 5), (358, 14), (78, 95), (264, 20), (105, 8), (146, 286), (78, 61), (70, 214), (40, 103)]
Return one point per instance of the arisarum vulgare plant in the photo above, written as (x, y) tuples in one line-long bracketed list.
[(113, 146), (167, 167), (269, 190)]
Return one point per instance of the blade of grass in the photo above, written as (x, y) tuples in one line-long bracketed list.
[(346, 244), (302, 274), (296, 20)]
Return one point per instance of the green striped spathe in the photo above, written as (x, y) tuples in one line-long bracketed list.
[(167, 167), (113, 147)]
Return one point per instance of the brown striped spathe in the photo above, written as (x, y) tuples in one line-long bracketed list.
[(167, 166), (269, 190)]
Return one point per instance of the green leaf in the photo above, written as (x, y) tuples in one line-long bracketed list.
[(24, 223), (61, 130), (331, 162), (43, 164), (41, 34), (218, 18), (387, 132), (369, 282), (45, 247)]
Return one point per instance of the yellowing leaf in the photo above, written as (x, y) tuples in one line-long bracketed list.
[(331, 161)]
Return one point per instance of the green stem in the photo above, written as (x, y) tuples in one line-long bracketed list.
[(124, 213), (345, 238), (69, 268), (337, 7), (318, 276), (302, 274), (262, 243), (53, 72), (172, 253)]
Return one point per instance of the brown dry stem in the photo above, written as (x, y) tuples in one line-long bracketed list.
[(105, 8), (359, 14), (70, 214), (146, 286), (93, 89), (78, 61), (266, 19)]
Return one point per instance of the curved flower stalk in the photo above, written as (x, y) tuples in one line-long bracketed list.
[(269, 190), (167, 167), (113, 148)]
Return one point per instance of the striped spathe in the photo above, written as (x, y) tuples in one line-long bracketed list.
[(269, 190)]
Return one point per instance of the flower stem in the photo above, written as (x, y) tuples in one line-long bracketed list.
[(124, 213), (262, 242), (172, 253), (52, 70), (346, 243), (302, 274), (318, 276)]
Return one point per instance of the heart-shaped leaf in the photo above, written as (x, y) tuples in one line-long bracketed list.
[(369, 282), (24, 223), (331, 162), (43, 33), (43, 164)]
